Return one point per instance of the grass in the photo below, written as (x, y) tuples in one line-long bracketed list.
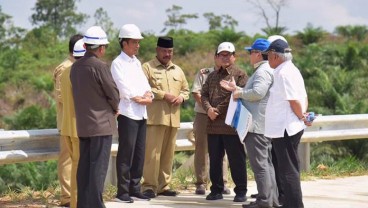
[(183, 180)]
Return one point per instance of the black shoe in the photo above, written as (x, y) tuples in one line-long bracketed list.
[(124, 199), (253, 196), (251, 205), (168, 192), (226, 191), (65, 205), (149, 193), (240, 198), (200, 190), (140, 197), (214, 196)]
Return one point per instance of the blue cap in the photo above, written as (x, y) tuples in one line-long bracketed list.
[(260, 44)]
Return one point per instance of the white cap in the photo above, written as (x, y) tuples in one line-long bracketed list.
[(79, 48), (95, 35), (130, 31), (276, 37), (226, 46)]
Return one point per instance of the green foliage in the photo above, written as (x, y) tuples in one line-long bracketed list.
[(60, 15), (37, 175), (33, 117), (310, 34), (357, 32), (175, 19)]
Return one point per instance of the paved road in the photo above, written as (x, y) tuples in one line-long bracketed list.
[(349, 192)]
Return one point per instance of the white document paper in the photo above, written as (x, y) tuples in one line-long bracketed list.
[(239, 118)]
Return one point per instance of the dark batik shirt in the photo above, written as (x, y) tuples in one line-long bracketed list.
[(213, 95)]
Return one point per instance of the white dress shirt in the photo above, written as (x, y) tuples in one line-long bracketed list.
[(131, 81), (288, 85)]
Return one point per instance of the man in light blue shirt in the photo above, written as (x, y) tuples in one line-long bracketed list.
[(254, 97)]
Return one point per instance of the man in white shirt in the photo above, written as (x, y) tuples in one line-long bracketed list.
[(135, 94), (285, 119)]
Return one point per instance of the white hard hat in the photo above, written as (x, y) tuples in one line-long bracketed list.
[(95, 36), (276, 37), (226, 46), (130, 31), (79, 48)]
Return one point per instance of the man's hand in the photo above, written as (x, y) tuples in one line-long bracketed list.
[(172, 99), (212, 113), (142, 100), (228, 85)]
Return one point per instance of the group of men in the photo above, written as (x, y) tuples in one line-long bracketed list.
[(145, 101)]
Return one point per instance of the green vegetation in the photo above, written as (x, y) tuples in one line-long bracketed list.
[(334, 66)]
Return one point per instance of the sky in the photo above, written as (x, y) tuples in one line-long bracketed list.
[(150, 15)]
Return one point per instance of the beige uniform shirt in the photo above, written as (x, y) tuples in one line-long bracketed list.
[(199, 80), (163, 80), (67, 63), (69, 125)]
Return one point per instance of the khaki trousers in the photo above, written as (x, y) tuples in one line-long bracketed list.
[(159, 156), (73, 149), (201, 161), (64, 171)]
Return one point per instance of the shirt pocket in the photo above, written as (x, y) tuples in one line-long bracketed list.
[(157, 80), (177, 83)]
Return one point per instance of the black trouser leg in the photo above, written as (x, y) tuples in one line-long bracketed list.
[(286, 150), (216, 153)]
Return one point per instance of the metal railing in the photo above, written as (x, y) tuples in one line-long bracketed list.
[(41, 145)]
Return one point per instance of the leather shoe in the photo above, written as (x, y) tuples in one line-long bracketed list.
[(226, 191), (140, 197), (200, 190), (253, 205), (124, 199), (253, 196), (240, 198), (149, 193), (168, 192), (65, 205), (214, 196)]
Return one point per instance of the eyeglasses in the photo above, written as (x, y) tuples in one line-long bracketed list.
[(224, 55), (254, 51)]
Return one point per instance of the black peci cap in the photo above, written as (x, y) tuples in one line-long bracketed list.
[(165, 42)]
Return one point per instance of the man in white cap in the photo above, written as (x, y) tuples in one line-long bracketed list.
[(96, 100), (64, 160), (222, 137), (68, 126), (135, 94)]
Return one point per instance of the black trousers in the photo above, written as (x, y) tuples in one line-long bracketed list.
[(286, 151), (92, 169), (130, 157), (217, 145), (277, 176)]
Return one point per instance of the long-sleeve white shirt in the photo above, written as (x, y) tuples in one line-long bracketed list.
[(131, 81)]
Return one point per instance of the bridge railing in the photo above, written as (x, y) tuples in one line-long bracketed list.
[(41, 145)]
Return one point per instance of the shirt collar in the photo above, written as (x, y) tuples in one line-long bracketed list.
[(256, 65), (127, 58), (158, 63)]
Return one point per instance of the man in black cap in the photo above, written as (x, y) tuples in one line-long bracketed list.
[(285, 119), (170, 89)]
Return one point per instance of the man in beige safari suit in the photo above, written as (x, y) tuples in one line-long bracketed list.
[(170, 89), (64, 160)]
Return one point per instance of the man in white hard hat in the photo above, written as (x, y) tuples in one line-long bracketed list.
[(170, 89), (135, 94), (64, 160), (96, 100), (68, 126), (220, 136)]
